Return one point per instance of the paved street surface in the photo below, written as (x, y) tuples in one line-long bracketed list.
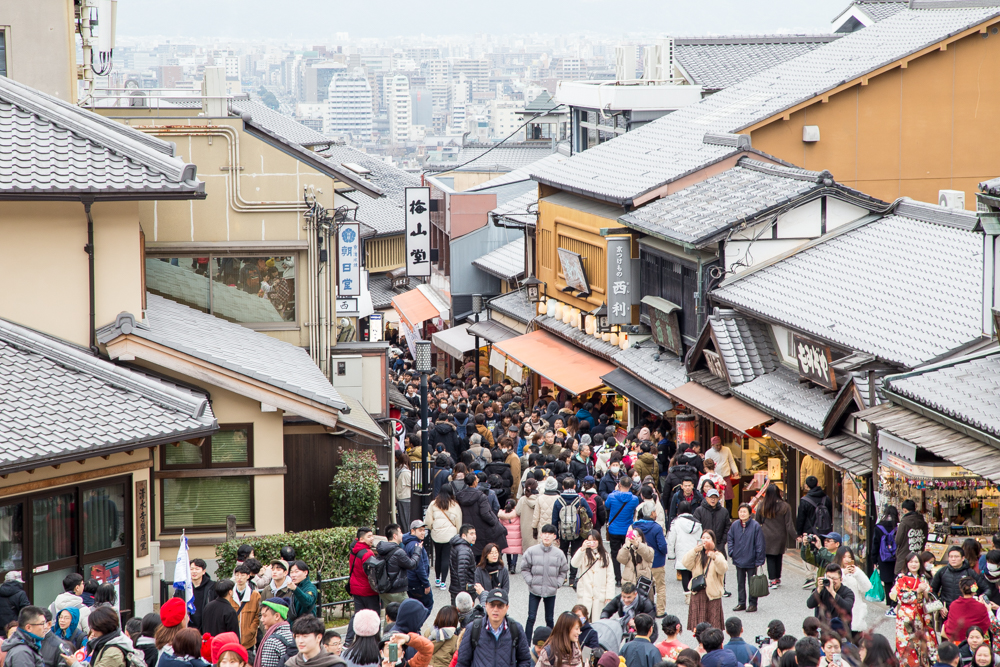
[(787, 603)]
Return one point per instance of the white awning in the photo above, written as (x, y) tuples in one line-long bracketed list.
[(455, 341)]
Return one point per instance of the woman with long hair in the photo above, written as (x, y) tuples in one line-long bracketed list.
[(512, 522), (404, 483), (524, 437), (876, 651), (972, 550), (563, 647), (775, 518), (706, 561), (885, 532), (444, 636), (525, 510), (444, 516), (363, 649), (916, 639), (491, 573), (854, 578), (595, 581)]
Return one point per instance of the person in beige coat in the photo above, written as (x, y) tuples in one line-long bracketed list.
[(636, 558), (525, 510), (444, 517), (706, 604), (595, 585), (546, 501)]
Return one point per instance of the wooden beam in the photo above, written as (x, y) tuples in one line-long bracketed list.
[(219, 472), (28, 487)]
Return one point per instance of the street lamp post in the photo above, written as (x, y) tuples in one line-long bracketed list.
[(422, 364), (477, 307)]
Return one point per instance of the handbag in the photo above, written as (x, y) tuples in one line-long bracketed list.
[(933, 604), (698, 584), (758, 586), (643, 585)]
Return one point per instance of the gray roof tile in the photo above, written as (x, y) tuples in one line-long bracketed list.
[(660, 369), (514, 304), (744, 345), (781, 394), (506, 262), (879, 10), (637, 162), (230, 346), (380, 287), (499, 157), (902, 289), (279, 123), (579, 338), (521, 174), (60, 402), (521, 209), (56, 149)]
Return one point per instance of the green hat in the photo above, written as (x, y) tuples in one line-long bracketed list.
[(278, 605)]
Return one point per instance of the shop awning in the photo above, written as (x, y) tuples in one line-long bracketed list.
[(492, 331), (856, 452), (805, 443), (560, 363), (636, 390), (455, 341), (731, 413), (920, 431), (421, 304)]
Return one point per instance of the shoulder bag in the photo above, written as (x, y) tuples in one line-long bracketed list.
[(758, 586)]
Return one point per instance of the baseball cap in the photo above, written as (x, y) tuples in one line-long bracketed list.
[(279, 562), (417, 523), (833, 536), (498, 595), (712, 492), (589, 479)]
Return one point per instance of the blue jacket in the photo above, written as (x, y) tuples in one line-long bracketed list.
[(654, 538), (566, 498), (615, 502), (492, 651), (746, 544), (583, 415), (641, 652), (720, 658), (746, 654), (417, 578)]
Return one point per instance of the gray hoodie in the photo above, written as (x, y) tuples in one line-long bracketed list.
[(544, 569)]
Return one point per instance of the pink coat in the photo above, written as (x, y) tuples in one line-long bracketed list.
[(512, 522)]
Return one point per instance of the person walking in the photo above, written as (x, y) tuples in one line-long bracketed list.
[(398, 564), (621, 508), (496, 640), (685, 532), (814, 515), (595, 584), (361, 592), (525, 510), (512, 523), (855, 579), (544, 568), (652, 532), (444, 516), (708, 568), (915, 633), (884, 552), (567, 515), (725, 465), (635, 558), (476, 511), (444, 636), (490, 573), (543, 506), (418, 579), (563, 646), (911, 535), (463, 561), (713, 516), (746, 546), (775, 518), (403, 486)]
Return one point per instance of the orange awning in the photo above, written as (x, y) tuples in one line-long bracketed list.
[(806, 443), (730, 413), (559, 362), (414, 307)]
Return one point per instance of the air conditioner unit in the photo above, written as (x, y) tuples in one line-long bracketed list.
[(951, 199), (625, 62)]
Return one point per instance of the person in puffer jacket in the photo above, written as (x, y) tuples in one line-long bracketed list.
[(685, 531), (512, 522), (12, 598), (544, 568), (463, 562)]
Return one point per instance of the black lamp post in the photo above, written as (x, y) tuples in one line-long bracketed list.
[(477, 307), (422, 364)]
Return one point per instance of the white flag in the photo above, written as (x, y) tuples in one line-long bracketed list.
[(182, 575)]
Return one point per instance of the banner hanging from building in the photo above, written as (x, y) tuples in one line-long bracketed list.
[(418, 231), (619, 283), (348, 260)]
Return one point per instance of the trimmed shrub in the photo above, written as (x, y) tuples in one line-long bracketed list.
[(355, 491), (324, 551)]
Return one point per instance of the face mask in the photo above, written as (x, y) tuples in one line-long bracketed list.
[(614, 470), (929, 565), (991, 567)]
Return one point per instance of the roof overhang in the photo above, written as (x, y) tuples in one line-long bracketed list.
[(93, 196), (129, 347)]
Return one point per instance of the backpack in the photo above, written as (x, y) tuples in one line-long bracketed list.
[(822, 521), (132, 658), (887, 545), (462, 430), (291, 650), (569, 520), (377, 569), (515, 637), (478, 461)]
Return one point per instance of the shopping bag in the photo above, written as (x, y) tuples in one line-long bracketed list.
[(758, 587), (876, 593)]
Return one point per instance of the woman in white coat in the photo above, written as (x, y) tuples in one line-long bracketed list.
[(855, 579), (595, 583), (685, 532), (525, 511)]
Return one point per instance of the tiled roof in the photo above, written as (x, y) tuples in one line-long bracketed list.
[(740, 195), (543, 102), (61, 403), (522, 209), (879, 10), (385, 215), (506, 262), (856, 452), (781, 394), (53, 149), (514, 304), (522, 174), (229, 346), (358, 419), (502, 157), (900, 288), (967, 390), (637, 162), (381, 290), (579, 338), (744, 345), (719, 62), (660, 369), (278, 123)]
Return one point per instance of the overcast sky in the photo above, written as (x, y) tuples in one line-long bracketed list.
[(320, 19)]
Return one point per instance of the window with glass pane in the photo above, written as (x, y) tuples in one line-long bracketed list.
[(52, 530), (103, 518), (183, 454), (12, 536), (230, 446), (106, 572), (254, 290), (181, 279), (205, 502)]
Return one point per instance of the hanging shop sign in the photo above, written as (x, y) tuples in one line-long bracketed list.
[(573, 271), (418, 231), (664, 323), (348, 260), (926, 471), (347, 306), (375, 327), (814, 362), (619, 282)]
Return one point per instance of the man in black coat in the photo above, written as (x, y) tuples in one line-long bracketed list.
[(477, 512), (12, 598), (713, 515), (832, 599), (805, 518), (443, 433), (398, 563), (945, 581), (629, 604), (911, 534), (462, 563)]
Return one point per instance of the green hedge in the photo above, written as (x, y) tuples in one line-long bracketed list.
[(324, 551)]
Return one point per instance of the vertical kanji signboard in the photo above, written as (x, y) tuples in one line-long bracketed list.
[(348, 260), (619, 280), (418, 232)]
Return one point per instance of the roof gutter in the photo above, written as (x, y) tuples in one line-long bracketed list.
[(89, 249)]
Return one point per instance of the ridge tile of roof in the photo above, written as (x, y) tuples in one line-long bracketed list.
[(638, 162), (514, 305), (280, 124)]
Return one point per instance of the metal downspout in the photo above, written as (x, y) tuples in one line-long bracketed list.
[(89, 249)]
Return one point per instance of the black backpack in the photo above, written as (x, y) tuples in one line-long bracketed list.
[(377, 569), (291, 650), (515, 637), (822, 521)]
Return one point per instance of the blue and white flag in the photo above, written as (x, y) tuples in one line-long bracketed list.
[(182, 575)]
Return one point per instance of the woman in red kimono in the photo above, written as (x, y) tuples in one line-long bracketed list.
[(916, 641)]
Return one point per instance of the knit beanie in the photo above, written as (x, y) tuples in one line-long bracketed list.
[(366, 623)]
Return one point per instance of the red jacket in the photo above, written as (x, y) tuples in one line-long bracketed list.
[(962, 615), (360, 552)]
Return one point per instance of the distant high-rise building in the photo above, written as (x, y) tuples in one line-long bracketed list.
[(349, 109), (397, 94)]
